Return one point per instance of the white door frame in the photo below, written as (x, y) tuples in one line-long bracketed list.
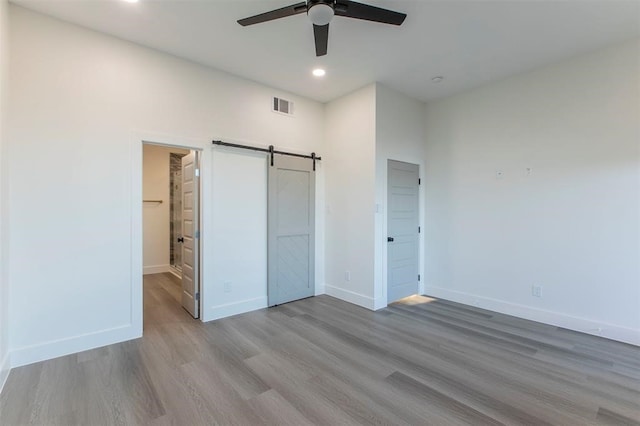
[(139, 139)]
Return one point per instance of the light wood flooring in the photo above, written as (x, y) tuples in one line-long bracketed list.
[(324, 361)]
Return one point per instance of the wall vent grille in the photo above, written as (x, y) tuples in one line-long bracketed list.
[(282, 106)]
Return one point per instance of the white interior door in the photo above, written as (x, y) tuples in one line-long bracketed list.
[(190, 235), (402, 230), (291, 232)]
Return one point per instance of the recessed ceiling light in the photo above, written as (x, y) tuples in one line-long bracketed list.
[(319, 72), (131, 1), (437, 79)]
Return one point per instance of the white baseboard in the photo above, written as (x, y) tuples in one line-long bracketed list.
[(5, 369), (57, 348), (351, 297), (320, 289), (156, 269), (379, 303), (583, 325), (235, 308)]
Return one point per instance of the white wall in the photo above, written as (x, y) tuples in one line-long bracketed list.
[(241, 230), (4, 281), (156, 217), (350, 196), (400, 136), (81, 102), (364, 130), (572, 226)]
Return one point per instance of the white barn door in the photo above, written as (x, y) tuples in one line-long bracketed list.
[(291, 235)]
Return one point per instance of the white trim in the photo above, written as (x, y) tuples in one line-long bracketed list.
[(156, 269), (235, 308), (583, 325), (5, 369), (351, 297), (174, 271), (136, 259), (320, 289), (203, 145), (380, 303), (56, 348)]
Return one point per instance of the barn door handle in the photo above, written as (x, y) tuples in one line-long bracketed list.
[(181, 239), (389, 239)]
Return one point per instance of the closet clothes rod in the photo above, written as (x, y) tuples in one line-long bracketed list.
[(271, 151), (152, 201)]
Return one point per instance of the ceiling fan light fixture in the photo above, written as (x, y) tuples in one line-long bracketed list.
[(320, 14)]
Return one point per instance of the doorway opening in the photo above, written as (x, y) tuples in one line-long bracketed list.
[(171, 232)]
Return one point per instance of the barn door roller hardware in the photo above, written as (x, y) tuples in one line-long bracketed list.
[(271, 151)]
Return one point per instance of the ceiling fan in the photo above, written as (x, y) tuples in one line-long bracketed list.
[(321, 12)]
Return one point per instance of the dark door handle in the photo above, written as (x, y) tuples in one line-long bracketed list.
[(389, 239), (180, 239)]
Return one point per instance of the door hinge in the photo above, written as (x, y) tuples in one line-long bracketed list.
[(418, 277), (197, 234), (197, 172), (418, 229), (198, 296), (419, 181)]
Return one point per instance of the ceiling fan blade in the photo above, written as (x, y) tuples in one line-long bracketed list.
[(352, 9), (283, 12), (321, 35)]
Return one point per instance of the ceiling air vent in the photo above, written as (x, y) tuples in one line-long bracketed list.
[(282, 106)]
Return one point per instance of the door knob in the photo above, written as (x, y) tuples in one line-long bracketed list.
[(180, 239), (389, 239)]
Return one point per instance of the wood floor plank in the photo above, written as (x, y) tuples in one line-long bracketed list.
[(458, 411), (612, 418), (324, 361), (274, 409)]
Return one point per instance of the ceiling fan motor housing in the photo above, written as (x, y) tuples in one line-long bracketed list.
[(320, 12)]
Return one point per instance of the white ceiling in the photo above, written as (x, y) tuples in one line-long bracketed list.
[(468, 42)]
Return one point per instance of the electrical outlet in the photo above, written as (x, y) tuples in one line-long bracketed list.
[(347, 275), (536, 291), (227, 287)]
